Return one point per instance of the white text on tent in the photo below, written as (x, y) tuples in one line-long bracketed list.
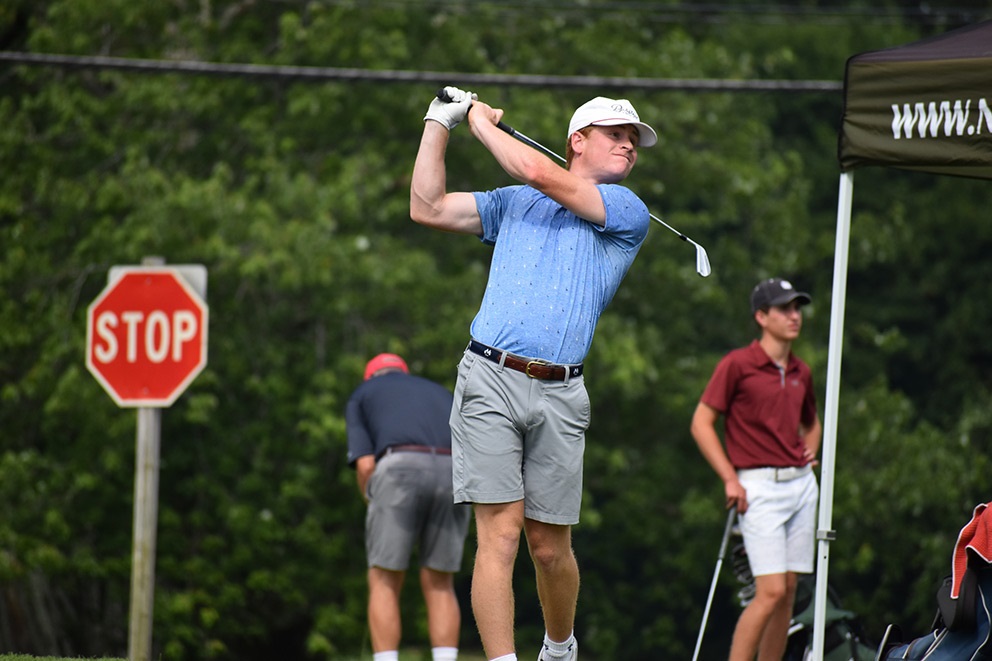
[(928, 118)]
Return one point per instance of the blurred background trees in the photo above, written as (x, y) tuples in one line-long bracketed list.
[(294, 194)]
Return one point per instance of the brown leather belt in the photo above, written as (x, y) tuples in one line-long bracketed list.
[(413, 448), (535, 369)]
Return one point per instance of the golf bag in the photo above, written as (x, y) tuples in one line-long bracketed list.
[(843, 639), (970, 642), (962, 628)]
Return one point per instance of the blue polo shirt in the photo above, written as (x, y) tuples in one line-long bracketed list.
[(552, 273)]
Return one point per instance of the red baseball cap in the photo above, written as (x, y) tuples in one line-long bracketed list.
[(384, 361)]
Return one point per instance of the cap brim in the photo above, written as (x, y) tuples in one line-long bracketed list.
[(648, 138), (802, 297)]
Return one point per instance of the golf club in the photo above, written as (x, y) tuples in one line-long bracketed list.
[(702, 259), (716, 575)]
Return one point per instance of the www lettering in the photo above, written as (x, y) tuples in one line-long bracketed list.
[(933, 119)]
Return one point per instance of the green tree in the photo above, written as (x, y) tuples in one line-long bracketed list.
[(294, 194)]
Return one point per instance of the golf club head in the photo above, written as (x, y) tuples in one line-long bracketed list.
[(702, 261)]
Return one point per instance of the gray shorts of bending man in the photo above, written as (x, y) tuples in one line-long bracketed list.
[(563, 240)]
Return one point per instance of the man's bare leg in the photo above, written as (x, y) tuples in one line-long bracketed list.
[(776, 636), (557, 575), (770, 592), (385, 624), (498, 529), (444, 617)]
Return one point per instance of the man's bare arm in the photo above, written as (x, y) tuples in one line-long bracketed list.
[(430, 203), (703, 430)]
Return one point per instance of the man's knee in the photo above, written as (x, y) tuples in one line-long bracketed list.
[(773, 589), (550, 558), (550, 551)]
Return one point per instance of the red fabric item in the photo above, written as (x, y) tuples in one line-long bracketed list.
[(975, 537)]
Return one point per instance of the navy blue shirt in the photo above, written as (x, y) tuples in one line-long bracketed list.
[(397, 409)]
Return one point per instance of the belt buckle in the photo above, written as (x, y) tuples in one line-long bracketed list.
[(539, 363)]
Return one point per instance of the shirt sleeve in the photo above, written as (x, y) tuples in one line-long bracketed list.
[(719, 391), (627, 217), (492, 207), (359, 439)]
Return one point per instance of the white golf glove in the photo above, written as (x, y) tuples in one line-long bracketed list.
[(450, 113)]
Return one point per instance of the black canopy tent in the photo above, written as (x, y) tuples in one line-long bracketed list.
[(922, 106)]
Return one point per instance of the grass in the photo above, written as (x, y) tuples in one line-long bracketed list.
[(409, 655), (405, 655), (26, 657)]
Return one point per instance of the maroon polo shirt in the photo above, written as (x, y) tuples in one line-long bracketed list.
[(763, 407)]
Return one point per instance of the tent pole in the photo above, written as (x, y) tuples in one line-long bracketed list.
[(825, 534)]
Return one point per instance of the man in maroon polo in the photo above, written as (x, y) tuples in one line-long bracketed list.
[(772, 435)]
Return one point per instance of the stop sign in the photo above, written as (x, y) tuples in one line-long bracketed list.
[(146, 336)]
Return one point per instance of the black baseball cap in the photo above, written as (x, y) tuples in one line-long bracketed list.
[(776, 291)]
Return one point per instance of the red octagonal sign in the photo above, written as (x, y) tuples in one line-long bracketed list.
[(146, 337)]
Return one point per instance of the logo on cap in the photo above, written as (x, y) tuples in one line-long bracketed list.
[(625, 109)]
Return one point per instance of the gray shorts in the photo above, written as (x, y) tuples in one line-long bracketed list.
[(779, 527), (517, 438), (410, 504)]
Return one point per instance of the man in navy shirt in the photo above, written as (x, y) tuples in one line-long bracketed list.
[(399, 443)]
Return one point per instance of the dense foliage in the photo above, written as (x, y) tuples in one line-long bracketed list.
[(294, 194)]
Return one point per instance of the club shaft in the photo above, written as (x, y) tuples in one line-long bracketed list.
[(716, 575), (528, 141)]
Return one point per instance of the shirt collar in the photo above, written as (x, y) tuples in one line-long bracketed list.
[(761, 358)]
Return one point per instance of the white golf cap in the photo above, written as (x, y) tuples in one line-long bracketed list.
[(602, 111)]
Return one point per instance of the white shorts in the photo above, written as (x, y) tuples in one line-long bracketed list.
[(779, 527)]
